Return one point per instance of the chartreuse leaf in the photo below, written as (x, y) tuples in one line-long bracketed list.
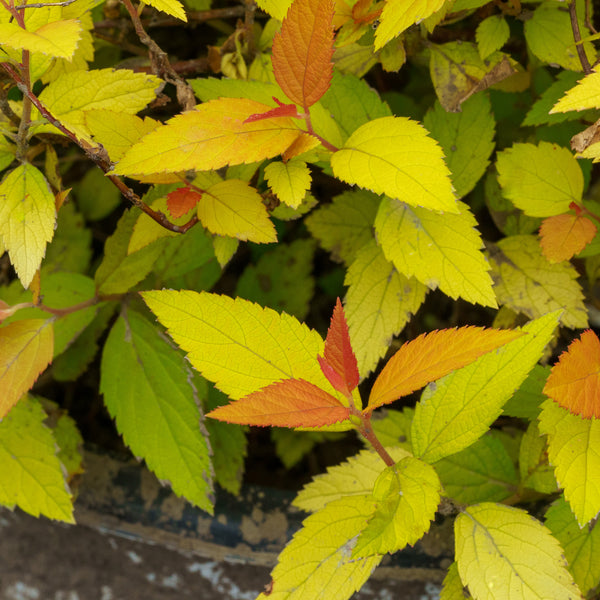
[(27, 218), (303, 49), (72, 94), (526, 282), (212, 136), (398, 15), (346, 225), (563, 236), (452, 586), (541, 180), (492, 33), (525, 402), (171, 7), (276, 8), (535, 471), (439, 250), (406, 496), (455, 411), (147, 390), (542, 112), (392, 427), (289, 180), (58, 38), (26, 349), (354, 477), (431, 356), (235, 209), (318, 562), (467, 139), (240, 346), (31, 473), (481, 472), (580, 544), (395, 156), (503, 552), (210, 88), (574, 451), (378, 304), (586, 94)]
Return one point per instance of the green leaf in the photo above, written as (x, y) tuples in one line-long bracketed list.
[(210, 88), (58, 39), (541, 180), (378, 304), (282, 278), (395, 156), (535, 471), (147, 390), (392, 427), (481, 472), (491, 34), (289, 181), (503, 552), (439, 250), (467, 139), (525, 402), (31, 475), (318, 562), (346, 225), (458, 409), (581, 544), (406, 496), (96, 196), (27, 218), (526, 282), (549, 36), (452, 586), (574, 451), (354, 477)]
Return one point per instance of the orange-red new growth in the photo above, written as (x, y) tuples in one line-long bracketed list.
[(574, 382), (286, 403), (282, 110), (302, 51), (181, 201), (563, 236), (338, 362)]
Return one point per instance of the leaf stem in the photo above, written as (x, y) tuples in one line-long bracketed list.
[(309, 129), (583, 59), (367, 432)]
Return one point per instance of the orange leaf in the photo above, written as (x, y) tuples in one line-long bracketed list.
[(181, 201), (302, 51), (563, 236), (286, 403), (282, 110), (431, 356), (338, 362), (574, 382)]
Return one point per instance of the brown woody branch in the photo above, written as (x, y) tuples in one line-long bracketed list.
[(583, 59)]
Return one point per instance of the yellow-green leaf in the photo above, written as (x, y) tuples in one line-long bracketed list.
[(581, 544), (574, 451), (492, 33), (504, 553), (275, 8), (396, 156), (458, 409), (452, 586), (318, 562), (289, 181), (171, 7), (31, 476), (27, 218), (536, 473), (235, 209), (406, 496), (585, 94), (439, 250), (378, 304), (541, 180), (58, 38), (399, 15), (525, 281), (354, 477), (26, 349)]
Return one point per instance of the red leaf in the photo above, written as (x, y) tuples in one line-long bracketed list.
[(181, 201), (431, 356), (302, 51), (574, 382), (282, 110), (286, 403), (563, 236), (338, 362)]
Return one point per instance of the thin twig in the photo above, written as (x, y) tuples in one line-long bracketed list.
[(583, 59), (23, 132), (44, 4), (588, 15)]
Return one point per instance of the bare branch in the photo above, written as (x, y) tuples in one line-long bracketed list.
[(583, 59)]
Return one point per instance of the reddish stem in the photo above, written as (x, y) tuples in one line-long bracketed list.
[(367, 432)]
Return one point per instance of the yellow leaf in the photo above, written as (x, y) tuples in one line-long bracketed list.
[(235, 209), (26, 349), (275, 8), (439, 250), (171, 7), (31, 474), (399, 15), (58, 39), (27, 218), (504, 553), (212, 136), (585, 94), (289, 181), (574, 451), (525, 281), (395, 156)]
